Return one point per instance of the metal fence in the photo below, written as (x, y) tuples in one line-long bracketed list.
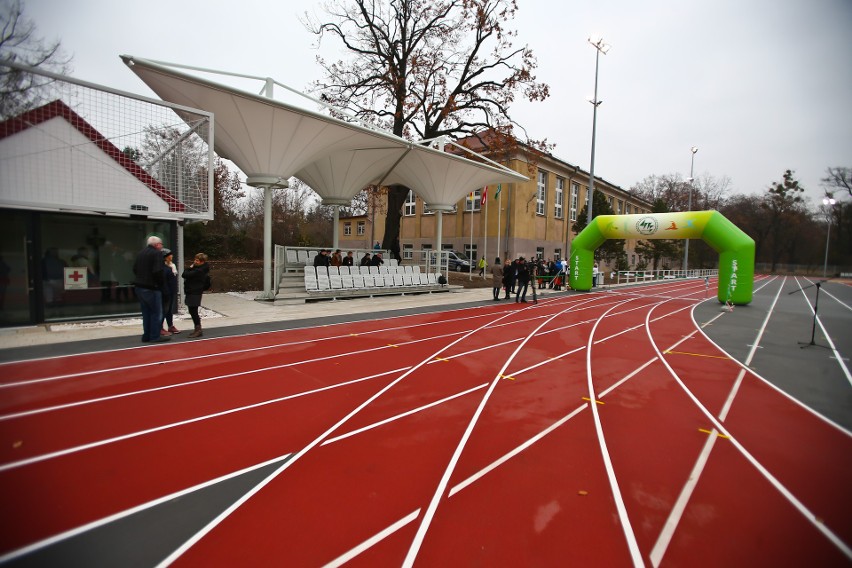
[(83, 147)]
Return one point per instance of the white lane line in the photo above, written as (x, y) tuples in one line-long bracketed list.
[(675, 515), (107, 441), (626, 527), (509, 455), (403, 415), (807, 513), (221, 353), (425, 523), (198, 536), (46, 409), (50, 541), (832, 296), (372, 541), (216, 378), (837, 356)]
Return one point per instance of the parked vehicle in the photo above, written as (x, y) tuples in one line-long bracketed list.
[(457, 261)]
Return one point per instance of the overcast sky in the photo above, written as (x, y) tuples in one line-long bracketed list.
[(759, 86)]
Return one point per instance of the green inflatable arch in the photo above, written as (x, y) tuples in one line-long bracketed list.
[(735, 248)]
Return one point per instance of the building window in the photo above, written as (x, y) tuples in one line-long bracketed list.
[(575, 200), (347, 229), (539, 252), (620, 207), (362, 228), (410, 205), (612, 204), (473, 201), (407, 252), (542, 192), (560, 188), (557, 254), (470, 251)]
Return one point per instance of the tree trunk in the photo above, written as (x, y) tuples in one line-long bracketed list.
[(396, 199)]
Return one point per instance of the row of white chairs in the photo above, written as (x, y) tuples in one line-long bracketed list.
[(321, 283), (346, 270)]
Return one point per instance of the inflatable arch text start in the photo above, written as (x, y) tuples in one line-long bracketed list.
[(735, 248)]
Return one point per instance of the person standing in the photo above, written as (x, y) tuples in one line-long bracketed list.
[(496, 278), (595, 275), (196, 282), (481, 266), (149, 281), (170, 292), (508, 277), (523, 281)]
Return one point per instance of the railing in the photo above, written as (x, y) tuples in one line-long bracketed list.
[(633, 276)]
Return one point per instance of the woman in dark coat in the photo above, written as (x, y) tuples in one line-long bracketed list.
[(196, 282), (170, 291)]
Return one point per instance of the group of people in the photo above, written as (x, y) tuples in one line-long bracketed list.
[(513, 277), (156, 287), (326, 258)]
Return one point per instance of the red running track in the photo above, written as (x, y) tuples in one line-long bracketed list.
[(467, 436)]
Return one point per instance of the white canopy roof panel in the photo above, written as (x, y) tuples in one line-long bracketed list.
[(267, 138)]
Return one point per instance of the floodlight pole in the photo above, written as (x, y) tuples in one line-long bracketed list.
[(694, 149), (600, 47), (827, 201)]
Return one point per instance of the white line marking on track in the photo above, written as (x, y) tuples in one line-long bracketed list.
[(445, 478), (372, 541), (843, 547), (825, 334), (403, 415), (177, 553), (672, 521), (132, 511), (626, 527), (89, 446)]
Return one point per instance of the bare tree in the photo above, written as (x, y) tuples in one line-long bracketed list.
[(21, 91), (838, 179), (427, 68), (708, 192)]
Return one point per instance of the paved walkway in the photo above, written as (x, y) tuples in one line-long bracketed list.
[(225, 310)]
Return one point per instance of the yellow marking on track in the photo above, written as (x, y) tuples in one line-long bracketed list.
[(440, 359), (597, 401), (392, 345), (694, 354), (354, 334), (507, 377), (710, 432)]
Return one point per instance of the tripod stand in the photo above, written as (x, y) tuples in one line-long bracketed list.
[(816, 309)]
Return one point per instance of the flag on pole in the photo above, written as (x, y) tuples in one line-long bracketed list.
[(499, 187), (484, 194)]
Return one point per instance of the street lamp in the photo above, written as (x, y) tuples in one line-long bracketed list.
[(694, 150), (827, 201), (600, 47)]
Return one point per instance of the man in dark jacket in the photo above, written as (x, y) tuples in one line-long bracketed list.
[(523, 281), (149, 283)]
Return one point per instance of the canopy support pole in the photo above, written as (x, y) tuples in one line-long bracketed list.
[(267, 184)]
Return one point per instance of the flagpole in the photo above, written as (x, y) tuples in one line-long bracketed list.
[(472, 197), (485, 232), (499, 208)]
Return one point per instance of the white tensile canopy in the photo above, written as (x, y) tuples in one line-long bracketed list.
[(272, 141)]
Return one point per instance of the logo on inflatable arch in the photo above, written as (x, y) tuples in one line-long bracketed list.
[(647, 226)]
